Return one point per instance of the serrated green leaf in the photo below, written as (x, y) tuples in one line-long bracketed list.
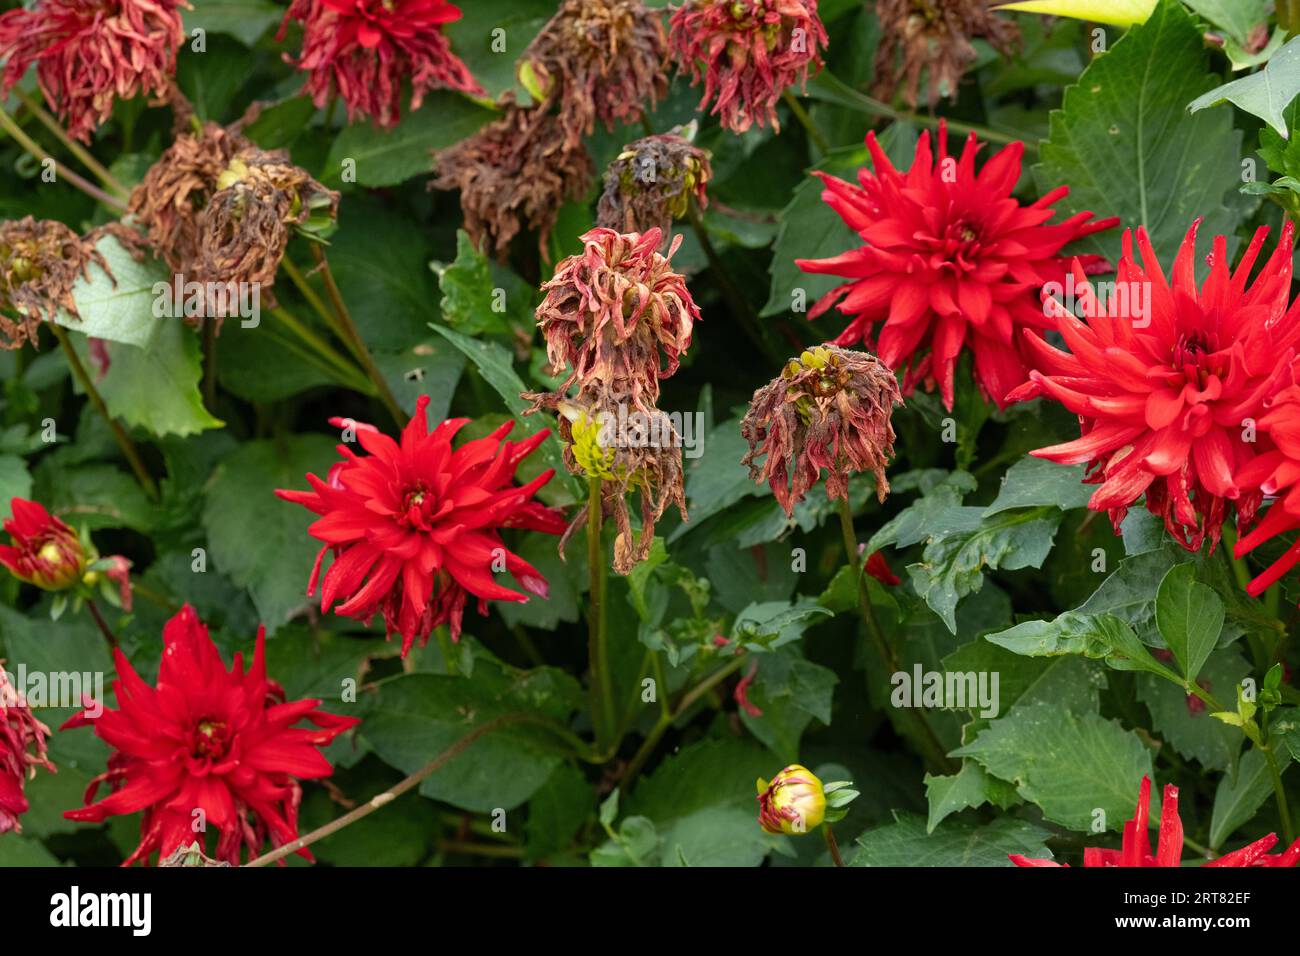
[(1189, 616), (1241, 793), (954, 843), (1031, 482), (1265, 94), (121, 311)]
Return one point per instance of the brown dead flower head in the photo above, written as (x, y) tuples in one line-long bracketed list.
[(917, 35), (40, 259), (513, 173), (598, 60), (617, 316), (829, 408), (652, 182)]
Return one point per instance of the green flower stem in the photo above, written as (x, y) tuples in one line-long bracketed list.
[(602, 693), (1283, 808), (109, 181), (103, 626), (934, 752), (119, 433), (806, 121), (341, 367), (26, 142), (388, 796), (668, 716), (832, 845), (352, 339)]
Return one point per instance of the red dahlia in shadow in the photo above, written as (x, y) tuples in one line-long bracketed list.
[(1135, 848), (949, 259), (415, 525), (206, 746), (22, 750), (747, 52), (363, 50), (1276, 472), (90, 52), (1168, 379)]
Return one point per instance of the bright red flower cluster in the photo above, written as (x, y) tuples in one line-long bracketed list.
[(1276, 472), (363, 50), (206, 746), (22, 750), (89, 53), (949, 259), (415, 524), (747, 52), (1135, 847), (1168, 380)]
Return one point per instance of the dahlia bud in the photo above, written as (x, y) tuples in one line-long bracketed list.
[(45, 551), (829, 408), (22, 750), (794, 802)]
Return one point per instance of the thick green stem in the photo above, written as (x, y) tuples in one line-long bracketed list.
[(926, 737), (30, 145), (119, 433), (352, 339), (832, 845), (339, 366), (602, 693), (109, 181), (1283, 808), (806, 121)]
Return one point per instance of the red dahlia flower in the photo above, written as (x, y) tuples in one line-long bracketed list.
[(1276, 472), (90, 52), (1167, 394), (22, 750), (747, 52), (950, 258), (208, 746), (1136, 844), (363, 50), (415, 525), (45, 551)]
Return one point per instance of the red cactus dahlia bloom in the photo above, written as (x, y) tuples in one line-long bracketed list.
[(1166, 398), (206, 739), (90, 52), (45, 551), (950, 258), (1136, 844), (415, 525), (1276, 471), (747, 52), (363, 50), (22, 750)]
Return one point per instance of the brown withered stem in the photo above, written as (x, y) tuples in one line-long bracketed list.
[(829, 408), (934, 35)]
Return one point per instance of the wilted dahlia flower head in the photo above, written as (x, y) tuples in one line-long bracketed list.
[(829, 408), (948, 259), (206, 740), (1135, 849), (934, 36), (217, 208), (90, 53), (514, 172), (415, 525), (652, 182), (598, 60), (1169, 381), (617, 316), (747, 52), (364, 50), (40, 259), (22, 750)]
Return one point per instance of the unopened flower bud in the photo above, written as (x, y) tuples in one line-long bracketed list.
[(793, 802), (45, 551)]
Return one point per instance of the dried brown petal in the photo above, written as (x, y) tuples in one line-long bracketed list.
[(514, 173), (934, 35), (652, 182), (40, 259), (829, 408)]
